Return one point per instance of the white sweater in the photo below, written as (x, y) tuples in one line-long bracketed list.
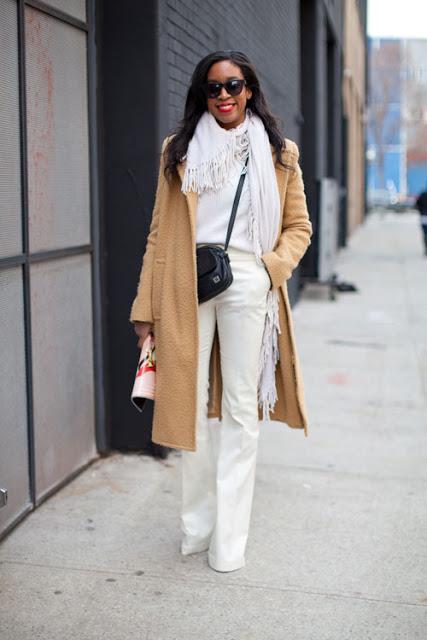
[(214, 211)]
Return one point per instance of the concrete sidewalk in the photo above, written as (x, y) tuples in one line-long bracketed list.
[(338, 543)]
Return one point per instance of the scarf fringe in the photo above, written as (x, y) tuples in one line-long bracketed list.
[(254, 235), (269, 356), (213, 173)]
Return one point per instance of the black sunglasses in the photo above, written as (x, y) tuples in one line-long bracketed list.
[(233, 87)]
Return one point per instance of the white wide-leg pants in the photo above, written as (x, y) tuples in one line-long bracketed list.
[(218, 478)]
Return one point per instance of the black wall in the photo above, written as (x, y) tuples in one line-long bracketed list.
[(128, 102), (321, 103), (270, 37)]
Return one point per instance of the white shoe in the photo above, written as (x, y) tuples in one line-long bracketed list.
[(188, 547), (224, 566)]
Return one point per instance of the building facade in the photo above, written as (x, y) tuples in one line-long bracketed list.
[(333, 56), (88, 91), (354, 113), (397, 120)]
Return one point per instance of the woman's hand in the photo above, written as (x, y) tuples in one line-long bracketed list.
[(142, 329)]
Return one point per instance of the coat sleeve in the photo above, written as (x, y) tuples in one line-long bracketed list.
[(296, 229), (141, 309)]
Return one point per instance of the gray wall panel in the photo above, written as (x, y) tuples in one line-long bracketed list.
[(13, 401), (57, 121), (64, 421), (10, 177), (75, 8)]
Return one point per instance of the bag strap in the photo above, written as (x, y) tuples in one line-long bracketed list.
[(236, 203)]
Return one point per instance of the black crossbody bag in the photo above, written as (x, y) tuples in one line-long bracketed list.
[(214, 273)]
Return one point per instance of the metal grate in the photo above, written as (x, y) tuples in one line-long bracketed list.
[(64, 421), (57, 122), (10, 177), (13, 400), (75, 8)]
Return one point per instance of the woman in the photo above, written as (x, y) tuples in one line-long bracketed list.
[(225, 364)]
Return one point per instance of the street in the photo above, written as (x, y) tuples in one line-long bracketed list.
[(338, 544)]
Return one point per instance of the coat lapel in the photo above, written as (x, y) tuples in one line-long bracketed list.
[(192, 197)]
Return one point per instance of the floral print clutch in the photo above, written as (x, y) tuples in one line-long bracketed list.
[(145, 377)]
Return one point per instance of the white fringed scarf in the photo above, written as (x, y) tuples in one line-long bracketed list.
[(211, 152)]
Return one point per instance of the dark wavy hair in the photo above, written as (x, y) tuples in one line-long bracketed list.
[(195, 106)]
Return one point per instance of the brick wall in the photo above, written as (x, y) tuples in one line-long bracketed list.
[(267, 32)]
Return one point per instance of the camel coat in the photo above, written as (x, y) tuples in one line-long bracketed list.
[(167, 297)]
